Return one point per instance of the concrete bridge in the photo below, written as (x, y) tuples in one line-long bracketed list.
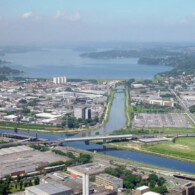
[(74, 139), (86, 139)]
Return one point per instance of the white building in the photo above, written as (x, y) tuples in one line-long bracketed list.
[(59, 80)]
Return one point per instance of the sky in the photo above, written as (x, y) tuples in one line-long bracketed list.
[(27, 21)]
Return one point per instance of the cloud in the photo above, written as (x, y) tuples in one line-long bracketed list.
[(27, 15), (69, 17)]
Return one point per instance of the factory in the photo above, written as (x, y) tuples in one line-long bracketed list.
[(19, 160)]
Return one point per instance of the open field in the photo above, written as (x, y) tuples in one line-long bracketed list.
[(182, 148)]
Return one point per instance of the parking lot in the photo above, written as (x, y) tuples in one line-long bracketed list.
[(162, 120)]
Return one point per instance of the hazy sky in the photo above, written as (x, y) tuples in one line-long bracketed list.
[(96, 20)]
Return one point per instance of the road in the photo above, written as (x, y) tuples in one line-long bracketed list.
[(190, 115)]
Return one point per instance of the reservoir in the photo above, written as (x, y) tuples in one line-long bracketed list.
[(51, 62), (117, 121)]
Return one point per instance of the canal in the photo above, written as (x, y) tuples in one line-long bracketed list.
[(116, 121)]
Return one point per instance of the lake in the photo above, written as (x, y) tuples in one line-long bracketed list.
[(66, 62)]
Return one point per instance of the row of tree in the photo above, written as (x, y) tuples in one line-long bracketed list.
[(10, 184), (132, 181)]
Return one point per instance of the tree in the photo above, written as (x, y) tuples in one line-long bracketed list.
[(30, 183), (21, 184), (36, 181), (192, 109), (22, 101), (153, 177), (161, 181), (160, 190), (68, 162)]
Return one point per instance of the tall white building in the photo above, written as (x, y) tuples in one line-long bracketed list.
[(59, 80)]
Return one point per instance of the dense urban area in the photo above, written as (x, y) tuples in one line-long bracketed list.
[(160, 119)]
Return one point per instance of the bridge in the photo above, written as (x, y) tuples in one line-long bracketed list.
[(96, 138), (74, 139)]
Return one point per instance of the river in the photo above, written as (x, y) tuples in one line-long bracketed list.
[(117, 121)]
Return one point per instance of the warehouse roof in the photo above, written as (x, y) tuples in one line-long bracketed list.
[(48, 188), (16, 149)]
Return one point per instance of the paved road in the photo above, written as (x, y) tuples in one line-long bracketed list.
[(190, 115)]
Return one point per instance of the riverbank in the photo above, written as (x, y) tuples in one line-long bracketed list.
[(127, 114), (131, 163), (181, 149)]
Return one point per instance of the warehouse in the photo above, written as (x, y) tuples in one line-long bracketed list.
[(52, 188)]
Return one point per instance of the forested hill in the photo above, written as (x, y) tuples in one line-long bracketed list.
[(180, 61), (6, 71), (181, 64), (130, 53)]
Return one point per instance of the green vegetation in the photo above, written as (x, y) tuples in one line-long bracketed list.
[(131, 181), (82, 158), (56, 163), (180, 148), (40, 148), (129, 53), (72, 122), (12, 185), (26, 126), (9, 145), (8, 71), (149, 108), (192, 109), (180, 61)]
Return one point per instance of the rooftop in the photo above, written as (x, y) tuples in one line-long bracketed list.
[(143, 188), (48, 188), (109, 177), (150, 193)]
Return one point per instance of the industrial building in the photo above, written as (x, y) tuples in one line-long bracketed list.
[(52, 188), (89, 168), (23, 159), (59, 80), (109, 181)]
